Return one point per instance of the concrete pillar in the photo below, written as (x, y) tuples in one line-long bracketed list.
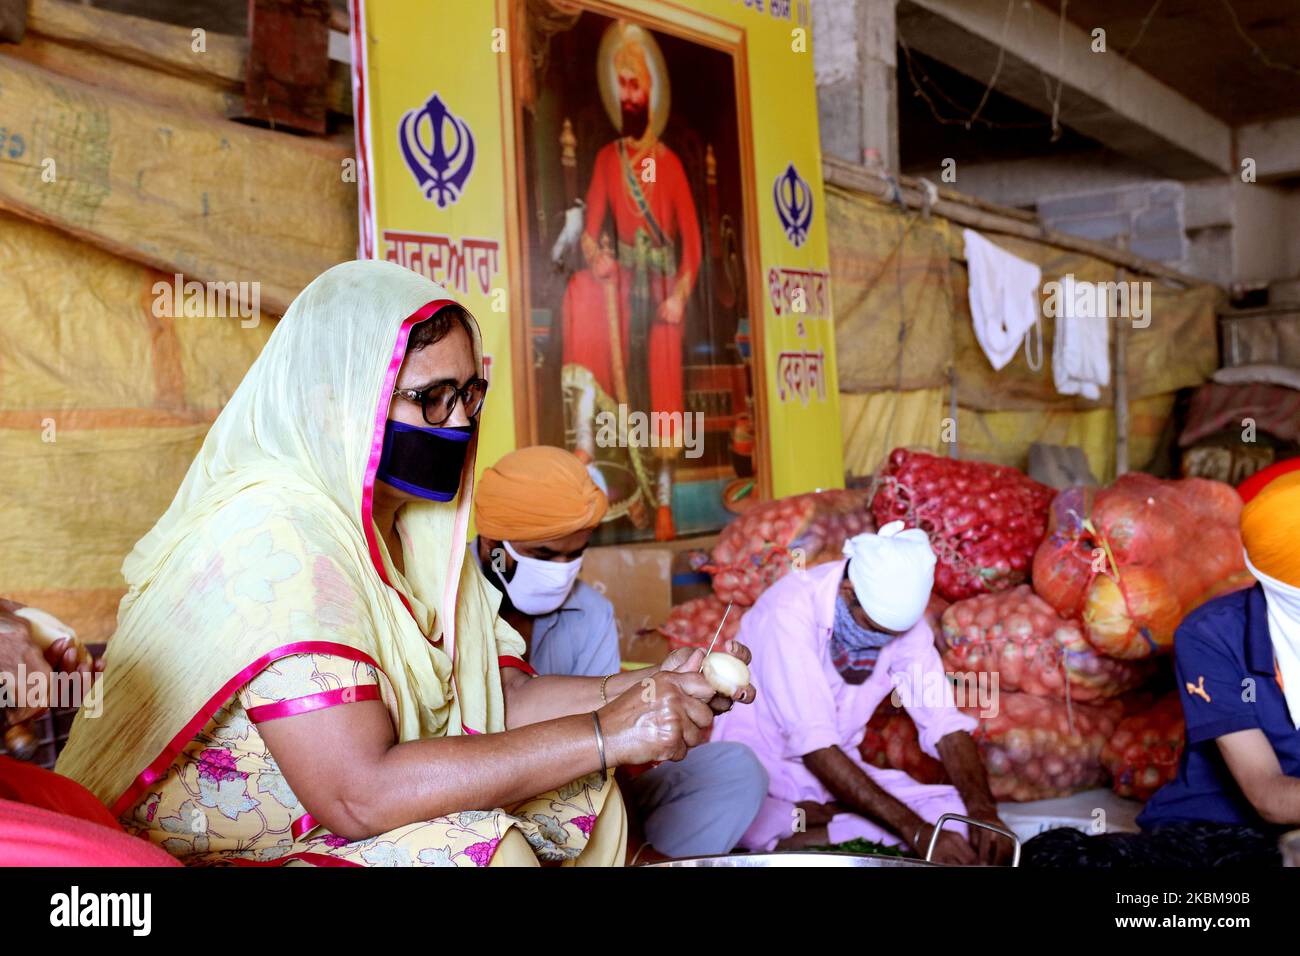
[(854, 44)]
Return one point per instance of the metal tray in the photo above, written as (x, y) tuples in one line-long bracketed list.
[(803, 858), (795, 858)]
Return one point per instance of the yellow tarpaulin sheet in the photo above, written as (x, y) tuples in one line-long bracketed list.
[(903, 319), (102, 407), (1005, 437), (892, 315), (876, 423), (879, 422)]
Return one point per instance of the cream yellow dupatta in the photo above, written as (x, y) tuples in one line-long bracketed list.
[(269, 549)]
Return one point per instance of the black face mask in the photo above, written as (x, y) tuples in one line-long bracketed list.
[(426, 462)]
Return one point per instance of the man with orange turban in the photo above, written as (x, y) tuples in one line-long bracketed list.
[(536, 510), (1237, 660), (1270, 533)]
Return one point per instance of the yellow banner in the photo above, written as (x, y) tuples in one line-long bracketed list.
[(627, 194)]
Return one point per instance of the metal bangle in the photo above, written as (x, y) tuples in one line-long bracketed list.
[(600, 742), (604, 680)]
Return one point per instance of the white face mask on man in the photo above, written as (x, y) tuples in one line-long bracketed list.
[(538, 587)]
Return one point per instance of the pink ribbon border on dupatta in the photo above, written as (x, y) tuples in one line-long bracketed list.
[(395, 360), (158, 766), (460, 530), (309, 702)]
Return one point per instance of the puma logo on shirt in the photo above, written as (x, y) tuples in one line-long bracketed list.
[(1199, 689)]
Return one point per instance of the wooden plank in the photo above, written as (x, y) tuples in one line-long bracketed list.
[(1120, 384), (102, 70), (118, 39), (149, 43), (13, 20), (288, 68), (214, 200), (339, 92), (1119, 377)]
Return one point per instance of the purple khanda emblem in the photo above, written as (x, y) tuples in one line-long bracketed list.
[(439, 150), (794, 205)]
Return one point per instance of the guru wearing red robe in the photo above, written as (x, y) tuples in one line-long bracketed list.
[(585, 317)]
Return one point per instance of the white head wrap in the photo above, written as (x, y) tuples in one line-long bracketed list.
[(892, 572)]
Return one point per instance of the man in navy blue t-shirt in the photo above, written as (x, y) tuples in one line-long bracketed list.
[(1241, 741), (1237, 662)]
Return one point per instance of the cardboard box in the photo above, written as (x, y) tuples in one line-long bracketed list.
[(638, 580)]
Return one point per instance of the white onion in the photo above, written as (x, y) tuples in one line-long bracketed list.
[(725, 674), (45, 629)]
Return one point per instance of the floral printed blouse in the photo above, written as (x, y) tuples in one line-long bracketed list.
[(224, 799)]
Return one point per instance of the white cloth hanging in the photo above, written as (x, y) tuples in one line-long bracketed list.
[(1003, 297), (1081, 352)]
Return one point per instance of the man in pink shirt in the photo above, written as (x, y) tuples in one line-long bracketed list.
[(829, 644)]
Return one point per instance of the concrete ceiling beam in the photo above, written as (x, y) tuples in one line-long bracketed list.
[(1103, 96), (1274, 146)]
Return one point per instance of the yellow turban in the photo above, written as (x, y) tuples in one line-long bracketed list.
[(1270, 529), (631, 55), (536, 494)]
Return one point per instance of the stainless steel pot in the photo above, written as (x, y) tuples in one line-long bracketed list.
[(800, 858), (795, 858)]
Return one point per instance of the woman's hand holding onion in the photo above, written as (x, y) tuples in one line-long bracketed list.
[(659, 718), (688, 660)]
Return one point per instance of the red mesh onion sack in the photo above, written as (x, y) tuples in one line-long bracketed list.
[(984, 521), (1040, 747), (1143, 753), (1034, 748), (1020, 637), (891, 742), (768, 541), (1133, 559)]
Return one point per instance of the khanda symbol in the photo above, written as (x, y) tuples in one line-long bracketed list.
[(794, 205), (439, 150)]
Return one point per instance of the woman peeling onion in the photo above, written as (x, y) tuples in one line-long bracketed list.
[(306, 668)]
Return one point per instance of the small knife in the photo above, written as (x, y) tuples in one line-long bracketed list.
[(715, 636)]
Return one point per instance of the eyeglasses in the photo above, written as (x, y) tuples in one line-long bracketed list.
[(438, 401)]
